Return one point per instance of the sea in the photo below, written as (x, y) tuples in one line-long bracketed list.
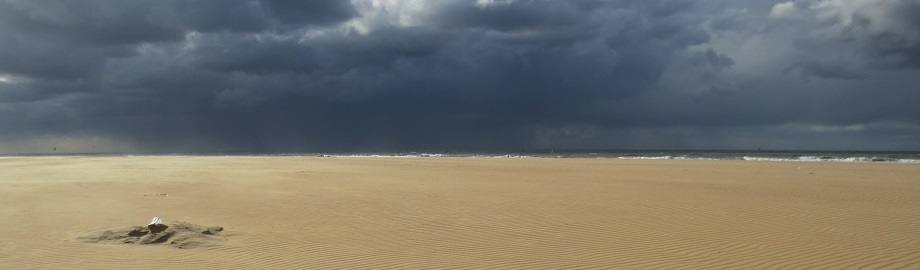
[(809, 156), (752, 155)]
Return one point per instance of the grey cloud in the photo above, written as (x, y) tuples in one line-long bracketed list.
[(235, 53), (516, 16), (52, 59), (888, 30), (133, 21), (310, 12), (79, 36), (95, 22), (284, 76), (711, 59)]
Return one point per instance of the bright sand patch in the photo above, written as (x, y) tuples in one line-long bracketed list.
[(311, 212)]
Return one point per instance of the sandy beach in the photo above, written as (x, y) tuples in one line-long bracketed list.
[(423, 213)]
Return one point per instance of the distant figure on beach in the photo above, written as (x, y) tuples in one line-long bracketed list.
[(55, 149)]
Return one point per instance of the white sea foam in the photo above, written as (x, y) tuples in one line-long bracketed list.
[(833, 159), (667, 157), (652, 157), (513, 156), (804, 158), (394, 155)]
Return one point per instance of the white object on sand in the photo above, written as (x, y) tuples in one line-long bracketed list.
[(155, 221)]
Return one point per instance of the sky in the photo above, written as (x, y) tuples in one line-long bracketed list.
[(451, 75)]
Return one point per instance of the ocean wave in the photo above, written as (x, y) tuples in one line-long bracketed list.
[(833, 159), (390, 155), (645, 156)]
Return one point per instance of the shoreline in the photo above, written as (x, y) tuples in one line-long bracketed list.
[(906, 157)]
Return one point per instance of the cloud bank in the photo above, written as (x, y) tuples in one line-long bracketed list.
[(372, 75)]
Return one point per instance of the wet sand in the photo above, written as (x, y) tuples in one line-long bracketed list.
[(421, 213)]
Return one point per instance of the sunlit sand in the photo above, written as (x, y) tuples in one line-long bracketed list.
[(420, 213)]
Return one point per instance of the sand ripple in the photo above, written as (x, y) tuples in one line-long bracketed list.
[(341, 213)]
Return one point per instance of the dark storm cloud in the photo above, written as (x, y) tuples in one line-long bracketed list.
[(134, 21), (899, 40), (310, 12), (887, 31), (524, 15), (78, 36), (457, 75), (248, 54)]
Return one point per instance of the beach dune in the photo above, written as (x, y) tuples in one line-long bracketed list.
[(421, 213)]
